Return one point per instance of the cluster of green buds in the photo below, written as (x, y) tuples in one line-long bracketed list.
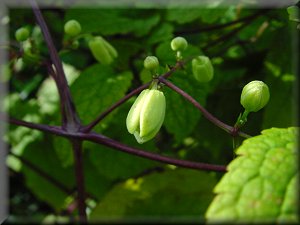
[(30, 54), (147, 113), (102, 50)]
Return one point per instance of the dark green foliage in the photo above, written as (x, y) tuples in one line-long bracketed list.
[(120, 185)]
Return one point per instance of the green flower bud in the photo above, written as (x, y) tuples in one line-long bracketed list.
[(104, 52), (146, 115), (203, 70), (179, 44), (22, 34), (72, 28), (151, 63), (255, 95)]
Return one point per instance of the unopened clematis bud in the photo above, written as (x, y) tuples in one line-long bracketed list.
[(146, 115), (203, 70), (151, 63), (179, 44), (255, 95), (103, 51)]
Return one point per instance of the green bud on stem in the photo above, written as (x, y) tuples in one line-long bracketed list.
[(72, 28), (255, 95), (179, 44), (146, 115), (151, 63), (103, 51), (203, 70), (22, 34)]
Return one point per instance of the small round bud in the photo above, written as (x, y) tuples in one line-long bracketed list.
[(255, 95), (151, 63), (203, 70), (179, 44), (22, 34), (72, 28)]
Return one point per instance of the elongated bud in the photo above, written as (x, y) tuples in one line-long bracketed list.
[(22, 34), (104, 52), (72, 28), (179, 44), (151, 63), (146, 115), (203, 70), (255, 95)]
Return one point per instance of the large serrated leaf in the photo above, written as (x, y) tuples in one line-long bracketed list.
[(260, 185), (169, 196)]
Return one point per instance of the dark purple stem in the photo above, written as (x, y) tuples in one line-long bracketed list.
[(70, 120), (229, 129), (97, 138), (100, 139), (77, 149)]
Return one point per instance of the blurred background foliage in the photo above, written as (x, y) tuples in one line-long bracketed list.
[(122, 186)]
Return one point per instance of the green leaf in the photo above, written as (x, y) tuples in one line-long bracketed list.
[(181, 116), (260, 183), (163, 32), (47, 95), (96, 184), (97, 88), (209, 13), (170, 195), (167, 56), (41, 154), (108, 21), (63, 149)]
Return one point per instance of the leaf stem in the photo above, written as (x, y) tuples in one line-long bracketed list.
[(81, 195), (70, 119), (97, 138), (101, 139), (229, 129)]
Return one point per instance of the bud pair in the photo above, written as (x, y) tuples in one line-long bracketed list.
[(103, 51), (146, 115), (203, 70)]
